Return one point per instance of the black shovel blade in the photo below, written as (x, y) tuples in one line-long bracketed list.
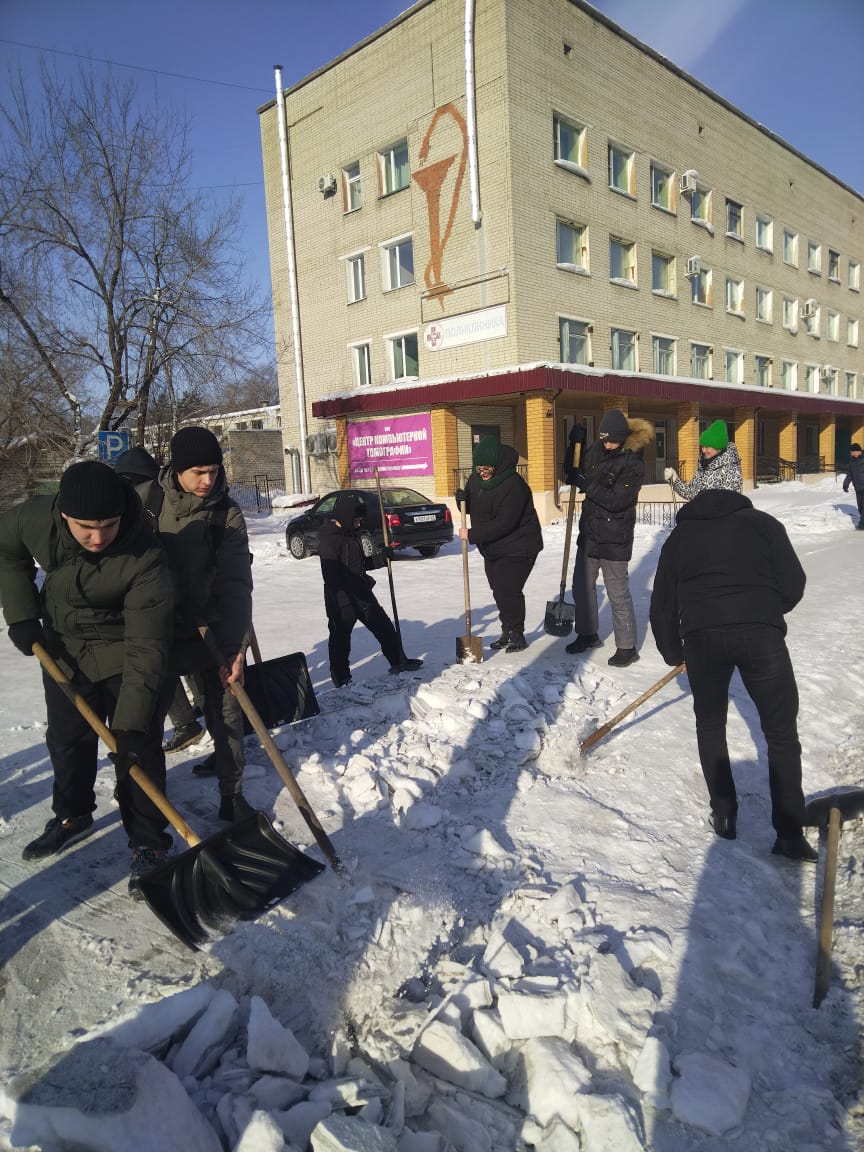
[(281, 691), (559, 618), (233, 875), (850, 802)]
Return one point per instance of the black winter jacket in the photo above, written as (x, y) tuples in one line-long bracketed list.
[(504, 521), (724, 563), (854, 474), (343, 562), (611, 481)]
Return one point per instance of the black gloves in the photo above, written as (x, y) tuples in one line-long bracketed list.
[(129, 752), (25, 634), (845, 489), (461, 497), (575, 478), (578, 434), (609, 479), (388, 551)]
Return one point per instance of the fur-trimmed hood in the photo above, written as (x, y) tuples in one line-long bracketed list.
[(640, 436)]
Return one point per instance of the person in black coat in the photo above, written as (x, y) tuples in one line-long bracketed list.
[(348, 595), (727, 576), (855, 477), (506, 531), (611, 475)]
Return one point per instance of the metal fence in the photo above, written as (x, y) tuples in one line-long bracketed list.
[(656, 513), (255, 494)]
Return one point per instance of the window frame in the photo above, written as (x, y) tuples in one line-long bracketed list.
[(792, 366), (832, 326), (851, 331), (670, 183), (733, 356), (735, 287), (566, 321), (667, 262), (696, 358), (629, 156), (390, 169), (833, 266), (351, 185), (738, 232), (352, 261), (662, 347), (398, 338), (814, 258), (854, 276), (790, 305), (614, 353), (580, 133), (703, 278), (388, 247), (628, 254), (762, 374), (790, 247), (811, 376), (764, 305), (702, 196), (579, 232), (764, 232), (361, 354)]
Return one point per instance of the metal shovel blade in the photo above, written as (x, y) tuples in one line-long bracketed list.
[(560, 617), (849, 801), (233, 875), (469, 649)]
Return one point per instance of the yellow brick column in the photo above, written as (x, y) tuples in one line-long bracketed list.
[(789, 437), (445, 450), (610, 402), (858, 433), (827, 441), (745, 442), (687, 418), (540, 443), (343, 470)]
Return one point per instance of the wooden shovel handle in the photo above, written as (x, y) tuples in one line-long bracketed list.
[(826, 923), (577, 457), (591, 740), (107, 737), (465, 576)]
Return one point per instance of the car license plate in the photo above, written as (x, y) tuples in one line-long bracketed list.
[(423, 519)]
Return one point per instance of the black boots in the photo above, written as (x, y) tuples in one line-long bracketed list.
[(583, 643), (795, 848), (623, 657), (511, 640), (724, 824)]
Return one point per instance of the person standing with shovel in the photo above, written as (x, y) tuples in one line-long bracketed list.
[(506, 531)]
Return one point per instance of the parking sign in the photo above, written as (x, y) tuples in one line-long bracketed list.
[(112, 445)]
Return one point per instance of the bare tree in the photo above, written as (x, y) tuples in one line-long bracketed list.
[(121, 283)]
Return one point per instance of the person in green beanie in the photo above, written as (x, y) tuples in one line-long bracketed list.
[(719, 465), (506, 531)]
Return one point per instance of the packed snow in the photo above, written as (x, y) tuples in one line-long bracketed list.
[(527, 948)]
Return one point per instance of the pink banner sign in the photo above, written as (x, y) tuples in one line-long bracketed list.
[(397, 446)]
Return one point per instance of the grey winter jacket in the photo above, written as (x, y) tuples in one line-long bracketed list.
[(721, 471)]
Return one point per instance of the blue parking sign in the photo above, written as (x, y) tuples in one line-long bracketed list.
[(112, 445)]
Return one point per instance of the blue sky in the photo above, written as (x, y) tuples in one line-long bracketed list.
[(793, 65)]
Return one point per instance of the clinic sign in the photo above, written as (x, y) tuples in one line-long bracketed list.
[(398, 446), (112, 445), (469, 328)]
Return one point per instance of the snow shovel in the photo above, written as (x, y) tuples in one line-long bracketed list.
[(606, 728), (385, 528), (260, 729), (234, 874), (832, 810), (560, 616), (281, 688), (469, 649)]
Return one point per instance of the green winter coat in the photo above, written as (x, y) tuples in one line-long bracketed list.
[(207, 546), (105, 613)]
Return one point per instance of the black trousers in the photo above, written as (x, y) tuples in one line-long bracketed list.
[(759, 653), (507, 577), (73, 746), (342, 615)]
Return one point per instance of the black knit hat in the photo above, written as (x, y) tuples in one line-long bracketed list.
[(92, 491), (485, 454), (614, 426), (137, 465), (194, 448), (855, 448)]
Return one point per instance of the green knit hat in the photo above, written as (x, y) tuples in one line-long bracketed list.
[(486, 453), (715, 436)]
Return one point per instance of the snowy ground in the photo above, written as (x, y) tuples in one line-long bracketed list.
[(532, 949)]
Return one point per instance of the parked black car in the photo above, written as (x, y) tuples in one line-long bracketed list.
[(412, 522)]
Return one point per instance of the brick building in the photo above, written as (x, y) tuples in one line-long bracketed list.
[(505, 223)]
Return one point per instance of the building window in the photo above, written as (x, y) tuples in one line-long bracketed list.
[(570, 149), (833, 265), (790, 247), (811, 377), (393, 167), (700, 361), (361, 365), (765, 233), (764, 304), (241, 426), (662, 185), (734, 220), (790, 313), (662, 274), (622, 261), (851, 380), (735, 296), (762, 371), (257, 424), (700, 287), (355, 268), (218, 430), (622, 164), (734, 367), (832, 326), (854, 276), (571, 247), (575, 341), (663, 355), (404, 362), (351, 187), (814, 257), (623, 350), (789, 375), (810, 317), (852, 332), (700, 208), (398, 263), (828, 378)]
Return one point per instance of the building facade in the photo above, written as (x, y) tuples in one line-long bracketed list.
[(505, 219)]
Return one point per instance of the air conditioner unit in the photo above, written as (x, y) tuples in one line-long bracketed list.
[(808, 310), (330, 438), (827, 373), (694, 265), (687, 184), (311, 443), (327, 183)]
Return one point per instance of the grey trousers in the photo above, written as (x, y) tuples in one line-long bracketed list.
[(616, 580)]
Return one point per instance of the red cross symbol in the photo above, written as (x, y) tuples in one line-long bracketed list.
[(434, 336)]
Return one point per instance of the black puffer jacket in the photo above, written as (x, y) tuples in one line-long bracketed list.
[(854, 474), (504, 521), (611, 481), (343, 563), (725, 562)]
